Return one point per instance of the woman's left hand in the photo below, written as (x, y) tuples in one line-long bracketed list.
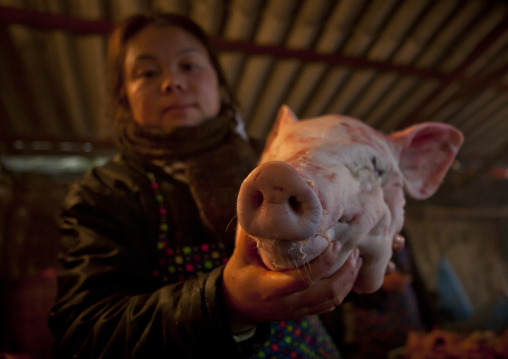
[(255, 294), (398, 245)]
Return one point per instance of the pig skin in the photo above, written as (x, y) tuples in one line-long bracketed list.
[(334, 178)]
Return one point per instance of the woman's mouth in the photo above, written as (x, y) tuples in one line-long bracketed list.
[(178, 107)]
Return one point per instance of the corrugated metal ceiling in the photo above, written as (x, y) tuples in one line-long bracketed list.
[(391, 63)]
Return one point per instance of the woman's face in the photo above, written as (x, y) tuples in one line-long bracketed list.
[(169, 79)]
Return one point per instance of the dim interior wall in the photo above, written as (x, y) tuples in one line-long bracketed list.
[(473, 240), (502, 227), (30, 210), (30, 206)]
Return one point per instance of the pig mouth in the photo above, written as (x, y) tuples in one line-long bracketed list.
[(280, 254), (283, 254)]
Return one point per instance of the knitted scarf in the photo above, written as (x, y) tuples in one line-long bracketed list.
[(216, 160)]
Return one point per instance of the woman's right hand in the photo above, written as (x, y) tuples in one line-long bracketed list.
[(255, 294)]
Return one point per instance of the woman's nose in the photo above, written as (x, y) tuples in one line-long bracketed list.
[(172, 83)]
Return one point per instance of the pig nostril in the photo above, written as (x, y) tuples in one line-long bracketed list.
[(276, 202), (257, 199), (294, 204)]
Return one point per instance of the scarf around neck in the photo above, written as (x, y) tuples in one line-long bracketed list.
[(216, 160), (176, 144)]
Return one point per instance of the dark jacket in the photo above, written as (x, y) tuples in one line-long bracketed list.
[(110, 304)]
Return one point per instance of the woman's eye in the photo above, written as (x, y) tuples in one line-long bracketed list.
[(147, 73), (189, 66), (379, 172)]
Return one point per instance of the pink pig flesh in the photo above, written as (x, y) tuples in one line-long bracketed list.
[(338, 170), (327, 179)]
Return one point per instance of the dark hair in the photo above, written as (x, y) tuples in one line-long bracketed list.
[(118, 102)]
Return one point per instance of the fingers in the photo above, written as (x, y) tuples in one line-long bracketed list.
[(246, 248), (298, 279), (253, 293), (398, 243), (320, 266), (270, 283), (343, 280), (390, 268), (298, 291), (329, 293)]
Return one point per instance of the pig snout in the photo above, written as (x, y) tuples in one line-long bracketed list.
[(276, 202)]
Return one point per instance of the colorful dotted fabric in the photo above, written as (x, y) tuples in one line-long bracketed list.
[(178, 264), (302, 339)]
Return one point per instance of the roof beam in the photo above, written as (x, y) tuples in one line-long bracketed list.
[(48, 21), (459, 75)]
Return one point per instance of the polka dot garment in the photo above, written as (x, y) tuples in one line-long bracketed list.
[(181, 263), (178, 264), (301, 339)]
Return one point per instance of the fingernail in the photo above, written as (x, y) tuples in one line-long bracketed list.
[(355, 255), (398, 241), (336, 246), (390, 268)]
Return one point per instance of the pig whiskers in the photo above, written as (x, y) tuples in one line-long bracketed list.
[(231, 221), (305, 268), (306, 265), (323, 234)]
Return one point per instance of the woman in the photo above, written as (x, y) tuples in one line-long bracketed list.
[(147, 244)]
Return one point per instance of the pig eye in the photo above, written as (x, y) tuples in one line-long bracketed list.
[(379, 172)]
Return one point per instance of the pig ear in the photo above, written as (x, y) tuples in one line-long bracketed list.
[(426, 152), (285, 116)]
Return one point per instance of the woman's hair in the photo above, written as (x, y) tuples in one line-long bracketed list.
[(118, 102)]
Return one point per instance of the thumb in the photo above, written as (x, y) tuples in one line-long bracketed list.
[(246, 248)]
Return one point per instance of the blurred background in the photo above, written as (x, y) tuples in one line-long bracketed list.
[(390, 63)]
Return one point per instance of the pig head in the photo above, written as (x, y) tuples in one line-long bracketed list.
[(334, 178)]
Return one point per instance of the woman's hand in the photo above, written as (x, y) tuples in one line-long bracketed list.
[(398, 244), (255, 294)]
